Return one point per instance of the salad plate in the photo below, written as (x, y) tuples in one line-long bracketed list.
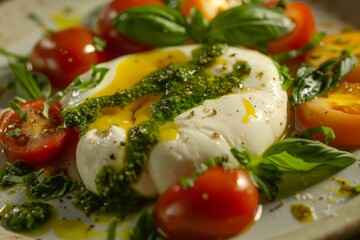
[(336, 216)]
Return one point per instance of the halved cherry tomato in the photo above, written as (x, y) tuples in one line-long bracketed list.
[(64, 55), (117, 43), (332, 46), (339, 109), (209, 8), (301, 14), (221, 204), (36, 139)]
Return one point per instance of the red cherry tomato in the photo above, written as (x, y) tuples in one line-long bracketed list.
[(38, 138), (117, 43), (64, 55), (221, 204), (305, 28)]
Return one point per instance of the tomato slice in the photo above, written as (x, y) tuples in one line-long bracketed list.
[(305, 28), (38, 138), (221, 204), (339, 109), (332, 46)]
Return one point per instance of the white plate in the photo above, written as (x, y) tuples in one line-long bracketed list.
[(337, 217)]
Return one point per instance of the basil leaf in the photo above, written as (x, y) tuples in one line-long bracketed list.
[(29, 85), (152, 25), (324, 131), (313, 82), (13, 56), (51, 187), (111, 232), (17, 169), (18, 110), (145, 228), (250, 25), (296, 154), (197, 26)]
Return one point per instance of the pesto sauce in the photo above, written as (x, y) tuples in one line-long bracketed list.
[(28, 216), (182, 87)]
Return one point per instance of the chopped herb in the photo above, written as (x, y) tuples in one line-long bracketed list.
[(19, 169), (111, 232), (99, 44), (18, 110), (14, 133)]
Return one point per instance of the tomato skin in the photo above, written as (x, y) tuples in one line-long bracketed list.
[(221, 204), (117, 43), (332, 46), (340, 110), (301, 14), (64, 55), (39, 141)]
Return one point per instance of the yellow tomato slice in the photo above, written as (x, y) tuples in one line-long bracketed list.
[(339, 109), (332, 46)]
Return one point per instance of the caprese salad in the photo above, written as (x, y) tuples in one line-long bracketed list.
[(183, 111)]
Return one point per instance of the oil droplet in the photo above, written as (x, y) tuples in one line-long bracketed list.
[(303, 212), (249, 111)]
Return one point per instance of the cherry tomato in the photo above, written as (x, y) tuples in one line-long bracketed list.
[(305, 28), (332, 46), (208, 8), (117, 43), (64, 55), (221, 204), (38, 138), (339, 109)]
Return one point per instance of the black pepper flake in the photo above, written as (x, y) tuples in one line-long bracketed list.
[(112, 157), (122, 144), (281, 203), (214, 112)]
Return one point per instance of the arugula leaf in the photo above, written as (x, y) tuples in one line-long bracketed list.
[(249, 25), (152, 25), (145, 228), (51, 187), (313, 82)]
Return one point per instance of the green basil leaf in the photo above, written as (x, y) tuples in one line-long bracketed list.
[(250, 25), (296, 154), (18, 110), (111, 232), (313, 82), (152, 25), (197, 26), (145, 228), (29, 85), (327, 132), (51, 187), (17, 169)]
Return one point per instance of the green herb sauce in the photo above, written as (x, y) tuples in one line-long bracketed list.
[(181, 86), (28, 216)]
